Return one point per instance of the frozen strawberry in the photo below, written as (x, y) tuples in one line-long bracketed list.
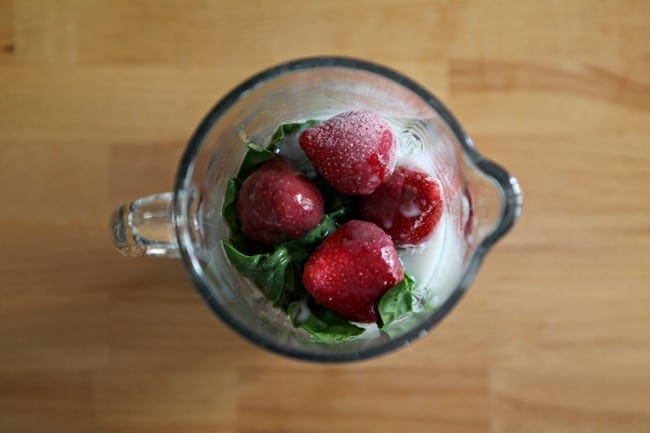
[(350, 271), (277, 203), (353, 151), (407, 206)]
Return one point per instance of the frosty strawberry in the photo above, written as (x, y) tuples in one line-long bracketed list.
[(354, 151)]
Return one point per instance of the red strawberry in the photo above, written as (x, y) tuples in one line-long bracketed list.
[(353, 151), (276, 203), (350, 271), (408, 206)]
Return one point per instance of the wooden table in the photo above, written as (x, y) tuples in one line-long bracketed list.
[(97, 101)]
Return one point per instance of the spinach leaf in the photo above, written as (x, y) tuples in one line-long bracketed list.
[(300, 249), (268, 271), (396, 302), (286, 129), (315, 236), (229, 209), (255, 156), (288, 258), (322, 324), (229, 212)]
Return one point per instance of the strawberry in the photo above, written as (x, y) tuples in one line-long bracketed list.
[(354, 151), (407, 206), (350, 271), (277, 203)]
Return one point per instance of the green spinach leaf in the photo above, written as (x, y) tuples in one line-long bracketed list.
[(322, 324), (255, 156), (286, 129), (268, 271), (397, 302), (315, 236), (229, 209)]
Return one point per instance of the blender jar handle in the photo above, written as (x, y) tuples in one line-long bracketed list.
[(145, 227)]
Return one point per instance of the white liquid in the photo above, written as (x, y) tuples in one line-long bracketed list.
[(435, 264)]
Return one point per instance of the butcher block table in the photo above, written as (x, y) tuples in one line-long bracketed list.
[(97, 102)]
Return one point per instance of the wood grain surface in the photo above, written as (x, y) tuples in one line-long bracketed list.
[(97, 101)]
